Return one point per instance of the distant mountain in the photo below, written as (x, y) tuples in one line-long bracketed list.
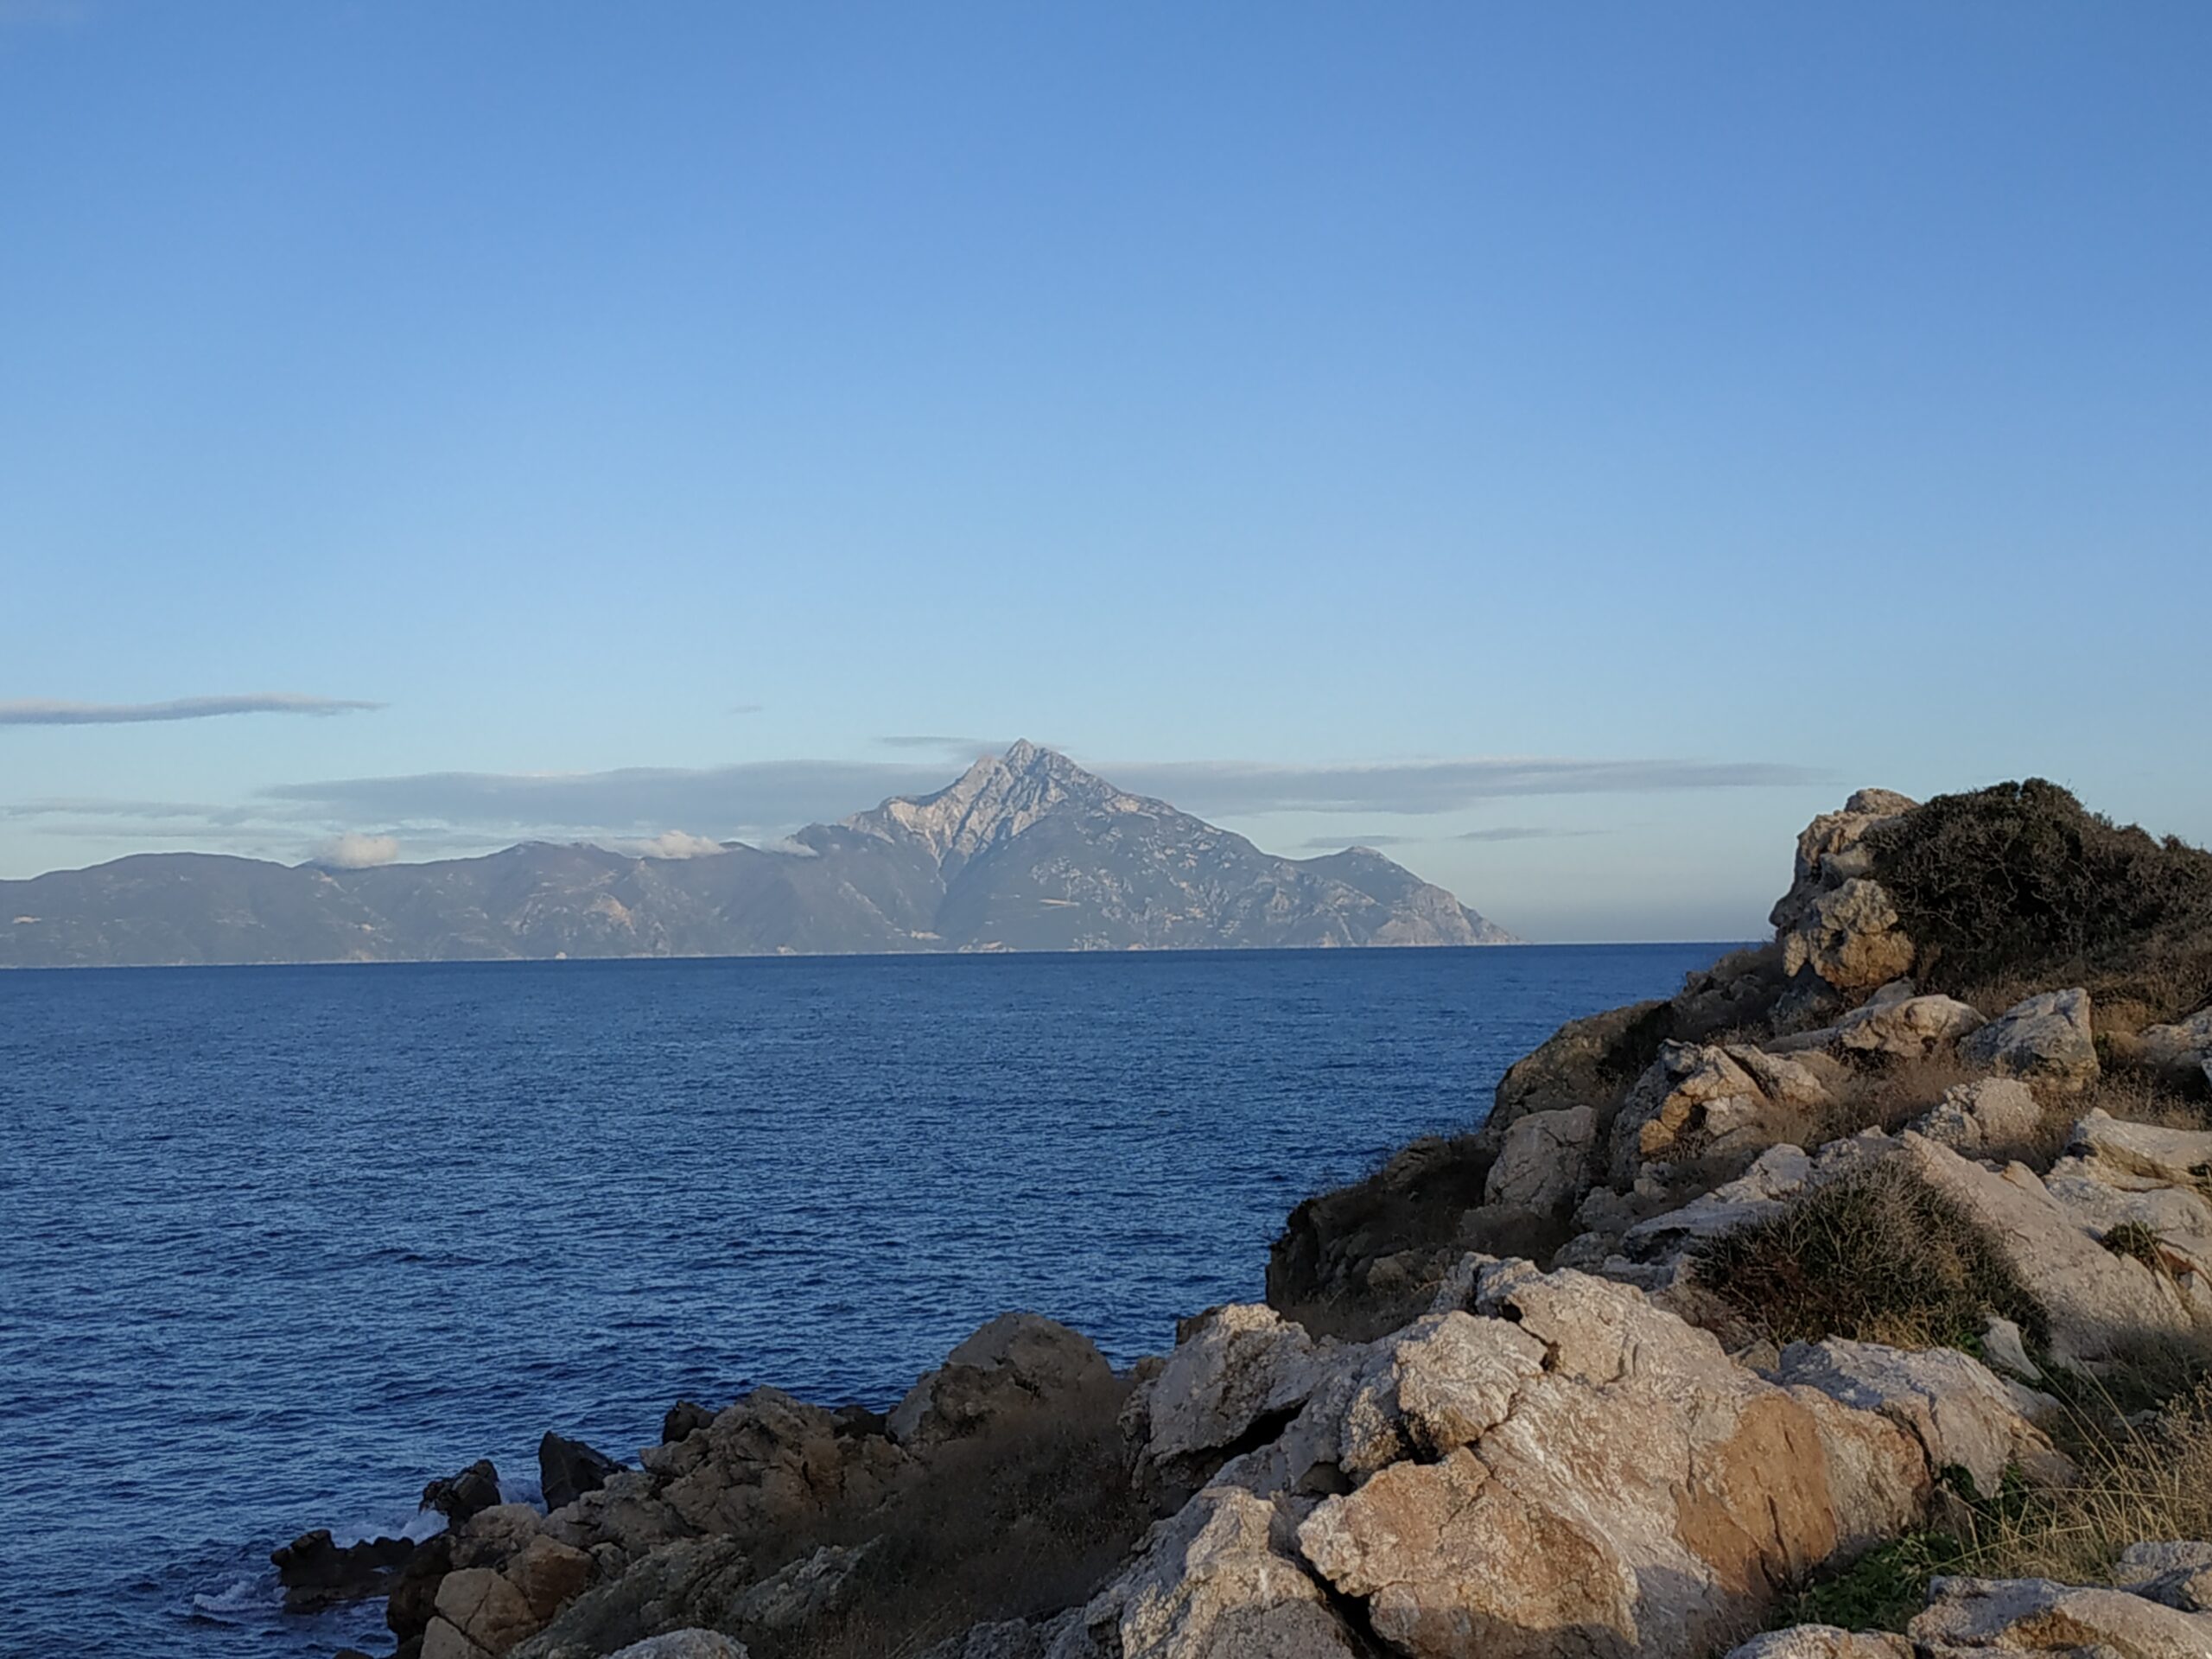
[(1025, 851)]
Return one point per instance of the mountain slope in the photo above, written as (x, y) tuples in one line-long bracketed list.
[(1025, 851)]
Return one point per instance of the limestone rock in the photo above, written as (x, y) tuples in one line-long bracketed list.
[(1234, 1367), (1015, 1361), (1962, 1414), (1847, 938), (549, 1575), (1906, 1026), (1988, 1115), (485, 1608), (2047, 1036), (1828, 851), (2035, 1619), (2005, 1350), (1211, 1583), (1059, 1637), (1778, 1174), (1540, 1166), (2098, 1301), (1823, 1642), (1642, 1494), (2153, 1181), (696, 1583), (1696, 1099), (2182, 1051)]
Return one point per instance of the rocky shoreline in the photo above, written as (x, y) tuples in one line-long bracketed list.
[(1879, 1248)]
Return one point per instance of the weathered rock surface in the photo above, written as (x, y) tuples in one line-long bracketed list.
[(1639, 1494), (567, 1469), (1986, 1116), (1849, 939), (458, 1496), (1217, 1582), (1569, 1069), (2182, 1051), (1962, 1414), (1698, 1100), (1829, 853), (1540, 1166), (1016, 1361), (2036, 1618), (2098, 1301), (1824, 1642), (1233, 1368), (2047, 1036), (1895, 1023)]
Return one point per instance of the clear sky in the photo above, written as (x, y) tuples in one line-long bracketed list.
[(1316, 413)]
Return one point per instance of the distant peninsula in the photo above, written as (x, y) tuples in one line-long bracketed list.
[(1024, 851)]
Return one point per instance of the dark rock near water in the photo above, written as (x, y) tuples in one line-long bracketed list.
[(567, 1469), (458, 1496), (685, 1418), (317, 1572), (413, 1597)]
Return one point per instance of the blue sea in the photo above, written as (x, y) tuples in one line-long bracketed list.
[(278, 1245)]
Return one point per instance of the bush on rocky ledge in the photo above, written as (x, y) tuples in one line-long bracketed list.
[(2020, 883), (1877, 1255)]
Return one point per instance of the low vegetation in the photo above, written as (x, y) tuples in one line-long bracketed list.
[(1020, 1521), (1877, 1255), (2019, 888)]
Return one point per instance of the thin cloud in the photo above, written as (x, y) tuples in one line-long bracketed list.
[(46, 711), (1522, 832), (929, 740), (674, 846), (1241, 789), (773, 795), (748, 708)]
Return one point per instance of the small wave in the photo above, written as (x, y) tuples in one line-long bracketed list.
[(243, 1599)]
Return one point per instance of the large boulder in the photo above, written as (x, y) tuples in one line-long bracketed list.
[(2181, 1051), (2036, 1618), (478, 1606), (1572, 1067), (1217, 1582), (1829, 852), (1642, 1494), (567, 1469), (1896, 1022), (1016, 1361), (2143, 1188), (1824, 1642), (1963, 1414), (2047, 1037), (685, 1644), (1846, 942), (1233, 1368), (2098, 1301), (1540, 1166)]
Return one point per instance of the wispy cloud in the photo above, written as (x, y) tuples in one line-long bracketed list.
[(747, 708), (46, 711), (633, 800), (674, 845), (1233, 789), (967, 746), (1522, 832)]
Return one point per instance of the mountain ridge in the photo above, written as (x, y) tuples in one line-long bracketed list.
[(1023, 851)]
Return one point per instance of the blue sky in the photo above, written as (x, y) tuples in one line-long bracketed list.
[(1324, 410)]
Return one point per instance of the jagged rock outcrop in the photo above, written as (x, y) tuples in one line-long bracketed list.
[(316, 1572), (1698, 1101), (1896, 1022), (567, 1469), (685, 1644), (1016, 1363), (2036, 1618), (1830, 853), (1540, 1164), (2047, 1037)]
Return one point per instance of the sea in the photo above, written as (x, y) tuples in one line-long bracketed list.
[(278, 1245)]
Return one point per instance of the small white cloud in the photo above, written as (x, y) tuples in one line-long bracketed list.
[(674, 845), (788, 847), (356, 852)]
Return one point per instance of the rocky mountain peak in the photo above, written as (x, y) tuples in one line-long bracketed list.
[(995, 800)]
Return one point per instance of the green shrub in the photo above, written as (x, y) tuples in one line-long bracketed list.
[(1877, 1255)]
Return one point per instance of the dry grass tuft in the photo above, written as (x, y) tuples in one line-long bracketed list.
[(1879, 1255)]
